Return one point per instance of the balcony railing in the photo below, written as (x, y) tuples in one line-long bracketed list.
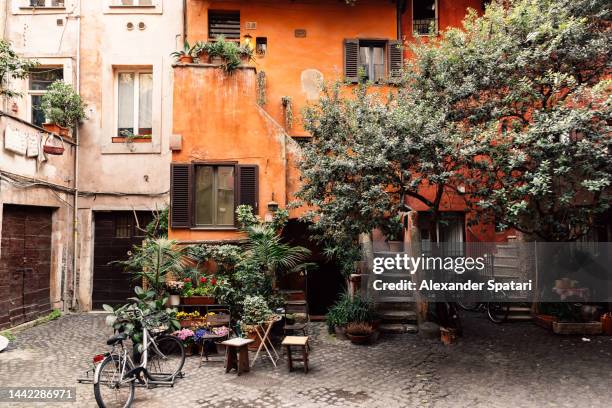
[(424, 26)]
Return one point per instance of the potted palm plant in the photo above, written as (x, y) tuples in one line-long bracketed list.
[(154, 262), (63, 108)]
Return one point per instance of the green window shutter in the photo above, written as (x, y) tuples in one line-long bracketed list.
[(396, 59), (248, 186), (180, 195), (351, 60)]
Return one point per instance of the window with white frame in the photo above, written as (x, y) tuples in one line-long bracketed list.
[(424, 16), (132, 3), (43, 3), (39, 80), (134, 103)]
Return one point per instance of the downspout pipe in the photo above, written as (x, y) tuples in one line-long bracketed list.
[(184, 21), (75, 208)]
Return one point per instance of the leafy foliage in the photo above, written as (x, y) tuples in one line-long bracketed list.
[(154, 260), (509, 113), (124, 319), (12, 67), (349, 309), (62, 105)]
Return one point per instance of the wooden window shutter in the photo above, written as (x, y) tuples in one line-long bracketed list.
[(180, 195), (396, 59), (351, 60), (248, 186)]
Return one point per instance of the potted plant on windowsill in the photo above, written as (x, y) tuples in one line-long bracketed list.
[(63, 108), (187, 54)]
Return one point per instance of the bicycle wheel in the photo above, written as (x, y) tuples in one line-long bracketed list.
[(110, 390), (168, 362), (468, 306), (498, 312)]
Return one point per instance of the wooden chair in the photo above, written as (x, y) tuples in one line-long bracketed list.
[(237, 355), (299, 342)]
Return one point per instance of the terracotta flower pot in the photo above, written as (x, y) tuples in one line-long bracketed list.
[(57, 129), (448, 335), (360, 338), (606, 324), (186, 59), (545, 321)]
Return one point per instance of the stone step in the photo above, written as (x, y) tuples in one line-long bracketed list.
[(520, 309), (520, 317), (398, 315), (398, 328), (395, 299)]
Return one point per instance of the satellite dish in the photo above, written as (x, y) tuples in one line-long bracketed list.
[(3, 342)]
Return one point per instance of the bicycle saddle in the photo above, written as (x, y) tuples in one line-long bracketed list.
[(116, 339)]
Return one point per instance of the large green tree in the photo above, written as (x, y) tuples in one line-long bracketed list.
[(510, 112)]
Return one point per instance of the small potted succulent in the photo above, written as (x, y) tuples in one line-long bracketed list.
[(63, 108), (360, 332), (186, 55)]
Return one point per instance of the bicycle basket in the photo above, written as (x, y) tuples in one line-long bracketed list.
[(156, 323)]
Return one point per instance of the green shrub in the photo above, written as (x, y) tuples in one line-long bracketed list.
[(62, 105)]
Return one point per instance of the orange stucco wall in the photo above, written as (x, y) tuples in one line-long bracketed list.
[(217, 115), (327, 24)]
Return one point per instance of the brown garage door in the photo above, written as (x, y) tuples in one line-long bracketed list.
[(25, 263), (116, 232)]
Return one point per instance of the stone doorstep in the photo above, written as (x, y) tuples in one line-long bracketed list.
[(398, 328), (398, 315)]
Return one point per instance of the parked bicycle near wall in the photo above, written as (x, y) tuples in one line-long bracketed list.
[(161, 360), (496, 311)]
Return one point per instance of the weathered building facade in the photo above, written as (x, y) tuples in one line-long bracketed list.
[(116, 54)]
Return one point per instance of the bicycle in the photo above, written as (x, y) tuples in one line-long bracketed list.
[(162, 360), (497, 312)]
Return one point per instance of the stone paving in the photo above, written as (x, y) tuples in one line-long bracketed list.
[(512, 365)]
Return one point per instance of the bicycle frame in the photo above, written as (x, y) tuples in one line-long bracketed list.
[(135, 373)]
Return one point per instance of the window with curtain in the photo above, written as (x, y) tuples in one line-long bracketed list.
[(134, 103), (424, 16), (372, 61), (214, 195)]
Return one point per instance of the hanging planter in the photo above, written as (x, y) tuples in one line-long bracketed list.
[(52, 146)]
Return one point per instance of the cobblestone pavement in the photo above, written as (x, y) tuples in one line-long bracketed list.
[(512, 365)]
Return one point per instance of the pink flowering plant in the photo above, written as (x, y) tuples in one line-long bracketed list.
[(185, 335)]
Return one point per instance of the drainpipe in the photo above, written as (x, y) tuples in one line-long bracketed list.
[(75, 208), (400, 8), (184, 21)]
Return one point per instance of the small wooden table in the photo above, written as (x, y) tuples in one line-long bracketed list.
[(237, 355), (296, 341)]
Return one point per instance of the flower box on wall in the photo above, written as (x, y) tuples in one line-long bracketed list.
[(57, 129), (198, 300), (577, 328), (123, 139)]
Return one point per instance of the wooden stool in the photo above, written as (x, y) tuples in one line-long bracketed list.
[(237, 355), (296, 341)]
